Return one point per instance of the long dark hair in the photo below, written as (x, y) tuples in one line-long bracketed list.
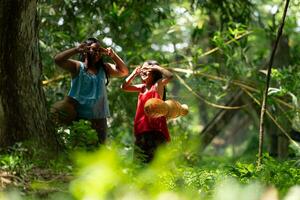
[(100, 63), (157, 75)]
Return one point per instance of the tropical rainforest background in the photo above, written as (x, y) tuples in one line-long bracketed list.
[(218, 51)]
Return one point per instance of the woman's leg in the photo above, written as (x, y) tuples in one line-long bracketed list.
[(64, 111), (100, 125), (147, 143)]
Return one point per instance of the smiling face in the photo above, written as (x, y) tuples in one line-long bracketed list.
[(146, 73)]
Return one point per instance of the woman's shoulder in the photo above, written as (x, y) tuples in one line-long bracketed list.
[(155, 86), (143, 87), (79, 66), (82, 65)]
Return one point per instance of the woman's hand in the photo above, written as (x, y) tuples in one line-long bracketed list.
[(108, 51), (137, 70), (127, 86), (82, 48), (146, 68)]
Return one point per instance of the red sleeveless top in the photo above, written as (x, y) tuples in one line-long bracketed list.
[(142, 123)]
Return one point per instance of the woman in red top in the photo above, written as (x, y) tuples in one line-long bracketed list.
[(149, 132)]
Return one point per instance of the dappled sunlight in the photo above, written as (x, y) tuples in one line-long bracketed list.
[(227, 127)]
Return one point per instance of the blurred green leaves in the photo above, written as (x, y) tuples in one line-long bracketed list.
[(177, 34), (106, 175)]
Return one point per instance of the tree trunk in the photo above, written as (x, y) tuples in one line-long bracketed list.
[(23, 114), (218, 123), (278, 144)]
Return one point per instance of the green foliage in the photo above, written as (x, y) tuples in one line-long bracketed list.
[(112, 173), (237, 11), (106, 175), (178, 34), (282, 176), (79, 136), (14, 159), (283, 78)]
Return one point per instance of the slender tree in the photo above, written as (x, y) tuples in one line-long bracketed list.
[(265, 94), (23, 114)]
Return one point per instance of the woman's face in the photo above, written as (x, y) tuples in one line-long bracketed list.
[(94, 52), (146, 73)]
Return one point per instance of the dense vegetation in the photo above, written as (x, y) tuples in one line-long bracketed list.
[(215, 50)]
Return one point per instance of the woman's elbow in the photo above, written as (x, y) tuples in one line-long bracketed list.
[(170, 76), (124, 72), (123, 86), (57, 60)]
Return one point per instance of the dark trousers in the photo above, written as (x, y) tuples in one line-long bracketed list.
[(146, 144), (100, 125), (64, 112)]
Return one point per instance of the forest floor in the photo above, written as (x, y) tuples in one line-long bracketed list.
[(108, 173), (36, 183)]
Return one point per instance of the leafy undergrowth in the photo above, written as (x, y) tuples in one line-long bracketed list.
[(179, 171), (22, 176), (176, 173)]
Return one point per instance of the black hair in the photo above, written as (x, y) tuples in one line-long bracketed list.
[(100, 63), (157, 75)]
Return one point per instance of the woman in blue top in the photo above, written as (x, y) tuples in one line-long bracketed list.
[(87, 98)]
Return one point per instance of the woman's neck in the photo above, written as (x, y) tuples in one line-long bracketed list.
[(91, 68), (149, 85)]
